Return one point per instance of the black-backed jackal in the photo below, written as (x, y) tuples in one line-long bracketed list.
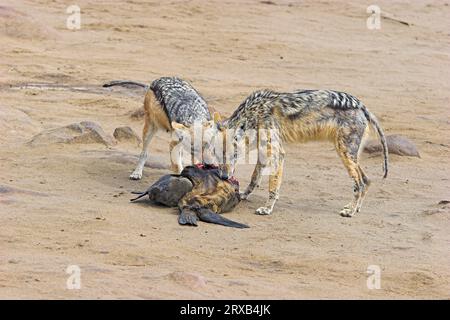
[(298, 116), (167, 99)]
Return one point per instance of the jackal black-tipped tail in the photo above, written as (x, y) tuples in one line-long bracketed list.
[(212, 217), (374, 122), (124, 83)]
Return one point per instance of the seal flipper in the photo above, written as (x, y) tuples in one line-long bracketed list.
[(187, 217), (140, 195), (207, 215)]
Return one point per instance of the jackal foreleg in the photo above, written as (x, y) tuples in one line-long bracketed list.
[(254, 182), (176, 156), (274, 185)]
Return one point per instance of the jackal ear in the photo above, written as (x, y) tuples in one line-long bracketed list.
[(178, 126), (217, 118)]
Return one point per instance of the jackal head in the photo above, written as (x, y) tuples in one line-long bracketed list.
[(206, 141)]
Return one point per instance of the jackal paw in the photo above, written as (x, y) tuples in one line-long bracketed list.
[(176, 168), (263, 211), (243, 195), (136, 175), (347, 212)]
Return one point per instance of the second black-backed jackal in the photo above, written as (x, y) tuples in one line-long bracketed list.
[(294, 117)]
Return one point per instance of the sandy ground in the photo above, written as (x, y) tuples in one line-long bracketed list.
[(67, 204)]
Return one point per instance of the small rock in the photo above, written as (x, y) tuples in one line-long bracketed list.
[(16, 125), (397, 144), (137, 114), (77, 133), (190, 280), (126, 134)]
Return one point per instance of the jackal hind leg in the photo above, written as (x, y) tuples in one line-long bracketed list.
[(147, 135), (357, 144), (347, 146), (366, 184), (155, 118)]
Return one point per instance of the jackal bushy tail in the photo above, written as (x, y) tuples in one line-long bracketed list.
[(374, 122)]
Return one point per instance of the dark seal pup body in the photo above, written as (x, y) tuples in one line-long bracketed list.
[(168, 99), (210, 195)]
